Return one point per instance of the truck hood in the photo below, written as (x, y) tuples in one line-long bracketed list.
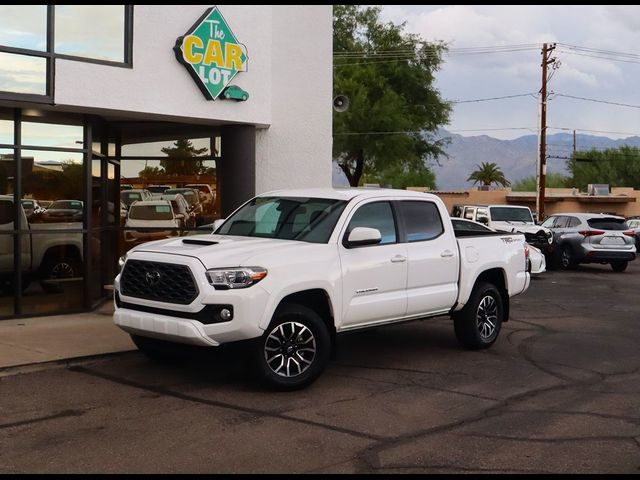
[(222, 250), (518, 227)]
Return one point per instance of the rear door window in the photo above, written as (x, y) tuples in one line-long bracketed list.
[(421, 220)]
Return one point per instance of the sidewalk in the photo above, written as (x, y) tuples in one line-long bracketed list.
[(28, 342)]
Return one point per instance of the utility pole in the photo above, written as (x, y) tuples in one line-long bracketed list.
[(574, 143), (542, 172)]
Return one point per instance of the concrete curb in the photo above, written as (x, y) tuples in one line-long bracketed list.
[(59, 363)]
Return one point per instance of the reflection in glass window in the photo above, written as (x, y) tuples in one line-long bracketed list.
[(52, 135), (91, 31), (23, 74), (6, 132), (49, 176), (24, 26), (376, 215)]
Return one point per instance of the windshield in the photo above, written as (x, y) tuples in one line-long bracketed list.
[(151, 212), (511, 214), (286, 218), (202, 188), (159, 189)]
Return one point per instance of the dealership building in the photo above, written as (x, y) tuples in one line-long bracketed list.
[(103, 105)]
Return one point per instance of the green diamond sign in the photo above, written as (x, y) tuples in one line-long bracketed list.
[(213, 56)]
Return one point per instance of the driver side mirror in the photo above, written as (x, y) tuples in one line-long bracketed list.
[(361, 236)]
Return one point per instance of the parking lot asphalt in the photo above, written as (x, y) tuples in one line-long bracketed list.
[(559, 392)]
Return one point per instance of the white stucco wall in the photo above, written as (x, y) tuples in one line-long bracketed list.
[(289, 80), (296, 150)]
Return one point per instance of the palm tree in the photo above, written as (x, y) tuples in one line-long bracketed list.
[(488, 173)]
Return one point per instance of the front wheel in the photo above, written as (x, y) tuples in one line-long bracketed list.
[(478, 324), (619, 265), (294, 349)]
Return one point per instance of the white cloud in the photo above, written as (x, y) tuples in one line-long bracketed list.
[(615, 28)]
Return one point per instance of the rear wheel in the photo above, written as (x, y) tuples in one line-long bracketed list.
[(59, 266), (619, 265), (478, 324), (294, 349)]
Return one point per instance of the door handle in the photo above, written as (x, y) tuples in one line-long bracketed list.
[(398, 259), (446, 253)]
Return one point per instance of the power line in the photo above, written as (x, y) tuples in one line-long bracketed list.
[(598, 56), (404, 132), (596, 100), (594, 131), (600, 51)]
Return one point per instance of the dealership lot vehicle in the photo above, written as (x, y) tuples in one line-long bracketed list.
[(592, 238), (151, 220), (135, 195), (634, 226), (509, 218), (48, 258), (64, 211), (535, 257), (292, 268)]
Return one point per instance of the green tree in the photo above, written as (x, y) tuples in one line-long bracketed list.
[(553, 180), (388, 77), (488, 173), (619, 167), (397, 176), (183, 158)]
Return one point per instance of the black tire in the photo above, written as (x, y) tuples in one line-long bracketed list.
[(478, 324), (287, 363), (619, 265), (567, 260), (158, 350), (57, 266)]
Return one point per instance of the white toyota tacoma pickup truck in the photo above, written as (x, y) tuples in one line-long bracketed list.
[(290, 269)]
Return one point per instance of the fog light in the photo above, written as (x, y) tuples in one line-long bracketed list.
[(226, 314)]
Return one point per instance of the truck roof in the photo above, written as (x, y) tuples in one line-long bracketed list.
[(346, 193)]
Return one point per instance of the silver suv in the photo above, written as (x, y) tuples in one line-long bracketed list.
[(591, 238)]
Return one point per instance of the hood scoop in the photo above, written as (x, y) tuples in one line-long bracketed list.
[(194, 241)]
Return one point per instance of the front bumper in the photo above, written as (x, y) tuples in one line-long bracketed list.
[(196, 323)]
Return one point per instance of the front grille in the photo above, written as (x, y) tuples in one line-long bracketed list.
[(538, 239), (163, 282)]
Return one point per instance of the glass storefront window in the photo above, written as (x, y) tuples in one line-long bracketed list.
[(186, 177), (6, 130), (23, 74), (24, 26), (56, 181), (7, 278), (52, 135), (90, 31)]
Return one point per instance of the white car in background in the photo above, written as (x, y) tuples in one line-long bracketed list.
[(151, 220), (536, 257)]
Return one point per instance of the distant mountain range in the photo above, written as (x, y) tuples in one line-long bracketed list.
[(517, 157)]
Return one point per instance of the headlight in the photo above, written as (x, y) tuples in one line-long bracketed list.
[(550, 237), (121, 261), (238, 277)]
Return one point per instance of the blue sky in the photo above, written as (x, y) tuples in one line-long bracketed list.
[(581, 73)]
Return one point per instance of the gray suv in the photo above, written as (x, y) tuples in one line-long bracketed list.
[(591, 238)]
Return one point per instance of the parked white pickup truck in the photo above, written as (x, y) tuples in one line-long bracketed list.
[(45, 256), (291, 269)]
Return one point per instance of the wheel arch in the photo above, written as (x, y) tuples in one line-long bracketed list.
[(498, 278), (317, 300)]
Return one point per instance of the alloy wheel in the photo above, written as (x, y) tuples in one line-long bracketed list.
[(487, 317), (290, 349)]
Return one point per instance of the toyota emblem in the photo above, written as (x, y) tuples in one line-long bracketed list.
[(152, 277)]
